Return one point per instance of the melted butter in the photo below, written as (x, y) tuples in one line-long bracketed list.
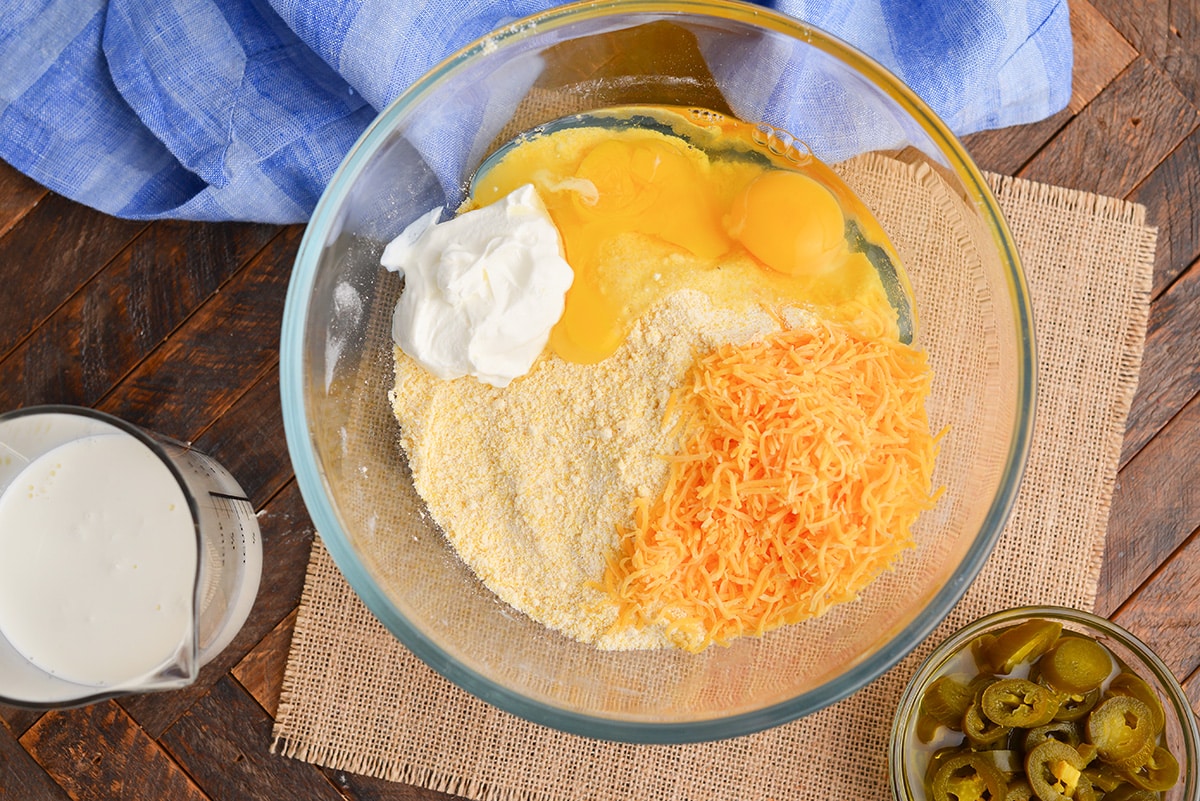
[(644, 212)]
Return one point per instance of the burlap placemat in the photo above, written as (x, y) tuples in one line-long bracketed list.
[(354, 699)]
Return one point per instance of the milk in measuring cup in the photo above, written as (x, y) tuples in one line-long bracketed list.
[(98, 562), (127, 560)]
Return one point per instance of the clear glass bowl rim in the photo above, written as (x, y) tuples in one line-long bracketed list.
[(314, 490), (911, 697)]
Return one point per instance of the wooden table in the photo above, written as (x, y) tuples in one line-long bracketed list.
[(175, 326)]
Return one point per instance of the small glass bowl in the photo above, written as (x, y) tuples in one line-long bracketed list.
[(1182, 738)]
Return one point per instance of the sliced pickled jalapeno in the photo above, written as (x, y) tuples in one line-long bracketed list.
[(1063, 731), (1104, 777), (944, 703), (1075, 665), (1055, 771), (1127, 792), (1121, 728), (1021, 643), (967, 776), (1019, 790), (1073, 707), (1019, 703), (1126, 683), (1044, 717), (1158, 774), (982, 732)]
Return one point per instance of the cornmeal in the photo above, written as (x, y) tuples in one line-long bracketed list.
[(529, 482)]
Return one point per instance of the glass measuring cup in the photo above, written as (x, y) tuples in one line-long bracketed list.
[(127, 559)]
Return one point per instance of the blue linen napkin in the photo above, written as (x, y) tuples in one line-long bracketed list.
[(242, 109)]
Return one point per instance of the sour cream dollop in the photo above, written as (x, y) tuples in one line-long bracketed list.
[(481, 290)]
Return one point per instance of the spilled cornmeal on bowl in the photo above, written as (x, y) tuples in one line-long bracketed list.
[(717, 429)]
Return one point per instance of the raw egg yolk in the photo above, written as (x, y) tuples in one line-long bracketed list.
[(647, 186), (642, 214), (789, 222)]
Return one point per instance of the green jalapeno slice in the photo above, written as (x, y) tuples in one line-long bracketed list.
[(946, 700), (1055, 772), (982, 731), (1075, 665), (968, 776), (1074, 707), (1104, 777), (1064, 731), (1127, 792), (1120, 727), (1019, 790), (1021, 643), (1019, 703), (938, 759), (1126, 683), (1158, 774)]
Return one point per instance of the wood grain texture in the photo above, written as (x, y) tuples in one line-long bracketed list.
[(1101, 53), (21, 777), (222, 348), (48, 256), (1165, 33), (1007, 150), (261, 671), (1170, 374), (1163, 614), (1155, 507), (1171, 195), (223, 742), (1120, 137), (98, 753), (104, 330), (18, 719), (248, 440), (18, 196)]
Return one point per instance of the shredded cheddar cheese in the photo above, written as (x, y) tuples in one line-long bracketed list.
[(806, 459)]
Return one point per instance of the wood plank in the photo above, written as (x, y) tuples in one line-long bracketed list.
[(1163, 32), (18, 719), (230, 343), (98, 752), (1007, 150), (1192, 688), (18, 195), (1170, 374), (143, 294), (287, 534), (1165, 614), (22, 779), (46, 257), (249, 441), (1120, 137), (223, 742), (1171, 195), (1101, 53), (261, 671), (1155, 507)]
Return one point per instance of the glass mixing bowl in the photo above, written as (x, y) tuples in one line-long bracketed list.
[(732, 59), (908, 756)]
